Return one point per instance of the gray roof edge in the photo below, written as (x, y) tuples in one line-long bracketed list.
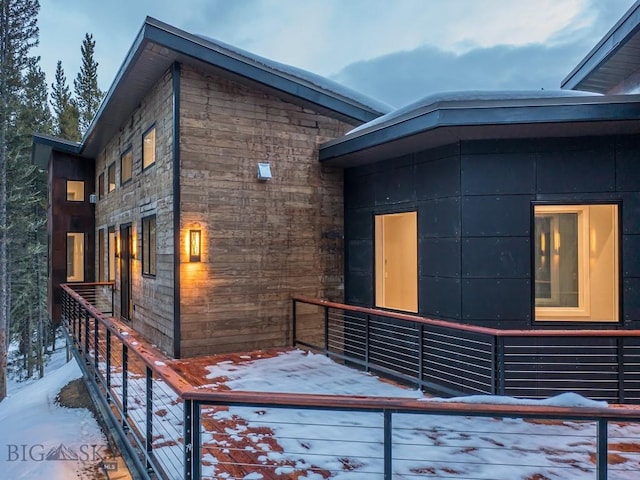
[(157, 31), (627, 26), (43, 145), (434, 117), (269, 67)]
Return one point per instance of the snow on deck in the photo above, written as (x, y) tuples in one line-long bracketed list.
[(265, 443)]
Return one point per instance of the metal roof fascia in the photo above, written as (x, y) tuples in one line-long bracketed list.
[(468, 117), (179, 41), (615, 39)]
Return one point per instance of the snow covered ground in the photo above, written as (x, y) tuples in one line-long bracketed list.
[(316, 444), (40, 439)]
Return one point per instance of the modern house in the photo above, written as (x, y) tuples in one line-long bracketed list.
[(197, 190), (214, 185)]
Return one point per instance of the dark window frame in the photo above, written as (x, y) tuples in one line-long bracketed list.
[(111, 168), (84, 184), (149, 246), (126, 153), (155, 147), (101, 186), (101, 255), (536, 322)]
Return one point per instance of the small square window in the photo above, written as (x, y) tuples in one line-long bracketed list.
[(75, 191), (111, 177), (126, 167), (149, 148)]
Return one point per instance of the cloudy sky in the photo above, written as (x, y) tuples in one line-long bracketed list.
[(394, 50)]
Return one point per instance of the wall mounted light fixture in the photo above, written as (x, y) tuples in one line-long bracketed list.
[(116, 239), (195, 244), (264, 171)]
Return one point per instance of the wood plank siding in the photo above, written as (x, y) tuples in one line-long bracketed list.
[(262, 241), (149, 192)]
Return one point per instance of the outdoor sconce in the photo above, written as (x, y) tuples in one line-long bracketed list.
[(117, 242), (195, 243), (264, 171)]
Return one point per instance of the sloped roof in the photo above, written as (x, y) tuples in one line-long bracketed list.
[(614, 58), (475, 115), (159, 45)]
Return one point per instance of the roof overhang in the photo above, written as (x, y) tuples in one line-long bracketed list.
[(445, 122), (612, 60), (159, 45), (44, 145)]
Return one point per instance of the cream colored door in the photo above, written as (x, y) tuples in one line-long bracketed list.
[(397, 261)]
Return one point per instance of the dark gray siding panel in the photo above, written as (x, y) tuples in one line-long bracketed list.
[(440, 297), (439, 257), (439, 218), (438, 178), (631, 254), (507, 215), (582, 171), (489, 299), (506, 173), (496, 257)]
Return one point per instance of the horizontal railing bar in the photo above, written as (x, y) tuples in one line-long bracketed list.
[(470, 328)]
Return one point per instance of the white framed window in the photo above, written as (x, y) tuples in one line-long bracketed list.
[(396, 255), (576, 250)]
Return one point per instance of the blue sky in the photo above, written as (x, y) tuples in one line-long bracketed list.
[(397, 51)]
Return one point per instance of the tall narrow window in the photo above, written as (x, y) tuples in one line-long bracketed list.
[(101, 186), (111, 177), (149, 148), (101, 256), (126, 166), (396, 253), (75, 191), (576, 262), (75, 257), (149, 245), (111, 265)]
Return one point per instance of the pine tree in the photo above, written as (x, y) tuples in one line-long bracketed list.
[(65, 108), (27, 224), (87, 94), (18, 34)]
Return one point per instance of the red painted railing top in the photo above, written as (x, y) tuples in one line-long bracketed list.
[(497, 332)]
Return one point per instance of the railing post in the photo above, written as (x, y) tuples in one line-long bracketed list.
[(367, 327), (388, 445), (187, 406), (420, 355), (326, 330), (621, 370), (294, 319), (108, 368), (86, 336), (96, 337), (149, 408), (602, 450), (498, 366), (125, 367), (195, 449)]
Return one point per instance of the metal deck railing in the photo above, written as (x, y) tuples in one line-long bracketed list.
[(458, 359), (175, 430)]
